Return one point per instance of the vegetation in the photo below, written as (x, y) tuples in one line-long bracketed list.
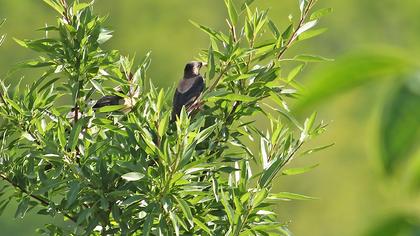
[(127, 169)]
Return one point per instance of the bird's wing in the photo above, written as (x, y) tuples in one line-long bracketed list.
[(187, 97), (196, 89), (109, 100)]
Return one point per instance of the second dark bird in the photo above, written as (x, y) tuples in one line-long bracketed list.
[(113, 100), (189, 88)]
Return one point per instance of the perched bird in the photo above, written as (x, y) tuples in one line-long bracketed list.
[(189, 88), (109, 100)]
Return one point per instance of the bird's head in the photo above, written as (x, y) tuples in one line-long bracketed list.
[(192, 69)]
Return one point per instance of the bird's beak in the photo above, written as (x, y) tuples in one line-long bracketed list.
[(204, 63)]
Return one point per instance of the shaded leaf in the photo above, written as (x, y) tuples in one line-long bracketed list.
[(400, 124), (351, 71)]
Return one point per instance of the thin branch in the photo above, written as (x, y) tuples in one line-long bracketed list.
[(66, 11), (216, 82), (292, 154), (41, 200), (300, 24)]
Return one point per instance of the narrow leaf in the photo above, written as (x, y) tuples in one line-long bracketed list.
[(286, 196), (132, 176), (298, 171)]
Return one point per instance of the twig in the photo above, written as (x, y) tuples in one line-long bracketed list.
[(294, 35), (41, 200), (216, 82)]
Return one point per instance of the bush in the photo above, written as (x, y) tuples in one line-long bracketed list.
[(128, 169)]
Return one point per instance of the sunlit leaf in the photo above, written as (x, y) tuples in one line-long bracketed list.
[(298, 171), (233, 15), (75, 132), (320, 13), (286, 196), (132, 176), (305, 27), (311, 58), (106, 109)]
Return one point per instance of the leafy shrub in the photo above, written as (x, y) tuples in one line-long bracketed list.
[(127, 169)]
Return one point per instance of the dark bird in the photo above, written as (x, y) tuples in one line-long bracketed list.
[(189, 88), (109, 100), (113, 100)]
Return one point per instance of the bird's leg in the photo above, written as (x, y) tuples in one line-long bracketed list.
[(195, 107)]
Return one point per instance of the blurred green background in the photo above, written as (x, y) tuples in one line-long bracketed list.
[(368, 182)]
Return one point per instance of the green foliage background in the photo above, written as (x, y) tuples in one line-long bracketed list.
[(372, 41)]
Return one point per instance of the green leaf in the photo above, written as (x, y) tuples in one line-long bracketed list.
[(72, 194), (202, 225), (37, 64), (302, 5), (292, 75), (233, 14), (175, 223), (79, 6), (61, 134), (286, 196), (311, 58), (320, 13), (21, 43), (288, 32), (131, 200), (75, 132), (312, 33), (310, 151), (147, 226), (298, 171), (22, 208), (274, 29), (238, 77), (400, 124), (104, 36), (211, 32), (246, 4), (132, 176), (305, 133), (211, 64), (271, 172), (228, 208), (305, 27), (259, 197), (160, 101), (28, 136), (163, 125), (352, 71), (112, 108), (14, 105), (396, 224), (58, 8), (186, 210), (234, 97), (203, 135)]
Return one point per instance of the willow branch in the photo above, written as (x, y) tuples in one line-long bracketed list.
[(300, 24), (39, 199)]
